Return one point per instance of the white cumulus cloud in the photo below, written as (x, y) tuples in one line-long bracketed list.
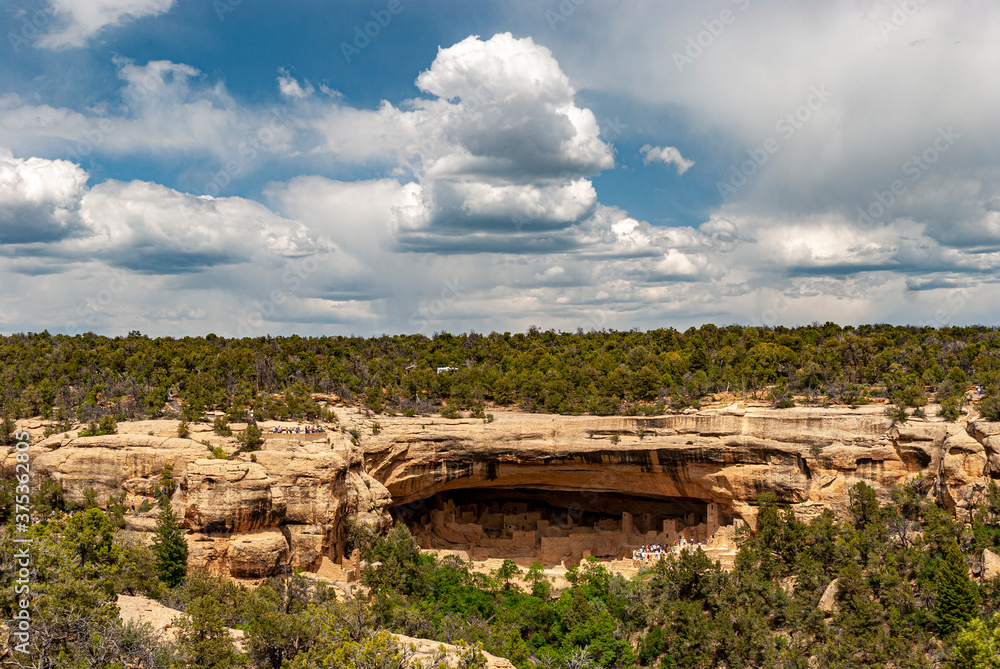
[(667, 155), (83, 19), (39, 199)]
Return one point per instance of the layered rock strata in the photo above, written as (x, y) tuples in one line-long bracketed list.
[(286, 506), (807, 457)]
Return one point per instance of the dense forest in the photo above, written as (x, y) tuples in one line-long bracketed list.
[(86, 377), (898, 583), (903, 598)]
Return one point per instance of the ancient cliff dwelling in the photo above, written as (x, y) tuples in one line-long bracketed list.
[(558, 527)]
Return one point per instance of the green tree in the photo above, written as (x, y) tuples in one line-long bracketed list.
[(202, 635), (7, 432), (108, 425), (977, 646), (170, 548), (251, 438), (400, 566), (957, 598), (221, 427), (506, 572), (91, 536)]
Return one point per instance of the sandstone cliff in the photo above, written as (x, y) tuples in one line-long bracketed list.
[(250, 516), (809, 457), (286, 504)]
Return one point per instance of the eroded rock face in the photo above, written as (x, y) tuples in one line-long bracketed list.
[(808, 457), (286, 504), (250, 517), (112, 463), (987, 433)]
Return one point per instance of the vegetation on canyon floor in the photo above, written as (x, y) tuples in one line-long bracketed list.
[(87, 377), (903, 598)]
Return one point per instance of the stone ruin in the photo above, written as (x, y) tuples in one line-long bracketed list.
[(529, 530)]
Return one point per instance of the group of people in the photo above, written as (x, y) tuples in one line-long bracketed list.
[(649, 552), (308, 429), (653, 552), (143, 504)]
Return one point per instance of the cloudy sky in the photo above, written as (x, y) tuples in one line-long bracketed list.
[(247, 167)]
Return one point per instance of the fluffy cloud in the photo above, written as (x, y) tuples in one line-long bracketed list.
[(505, 109), (149, 228), (39, 199), (667, 155), (166, 109), (46, 210), (475, 204), (502, 153), (83, 19)]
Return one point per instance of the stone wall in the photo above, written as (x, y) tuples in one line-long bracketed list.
[(526, 534)]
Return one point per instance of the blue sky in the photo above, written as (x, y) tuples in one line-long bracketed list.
[(256, 167)]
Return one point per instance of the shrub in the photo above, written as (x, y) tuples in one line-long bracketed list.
[(949, 409), (90, 430), (450, 412), (376, 427), (989, 408), (7, 432), (217, 452), (108, 425), (182, 429), (896, 412), (251, 438), (221, 427)]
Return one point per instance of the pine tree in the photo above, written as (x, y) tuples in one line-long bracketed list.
[(957, 597), (202, 635), (170, 548)]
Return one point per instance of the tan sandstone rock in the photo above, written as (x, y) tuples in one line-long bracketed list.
[(808, 457), (828, 602), (305, 489), (425, 649), (257, 555), (160, 618), (991, 564), (291, 498)]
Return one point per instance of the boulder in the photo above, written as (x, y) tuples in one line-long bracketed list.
[(161, 618), (424, 650), (828, 602), (306, 546), (257, 555), (991, 564)]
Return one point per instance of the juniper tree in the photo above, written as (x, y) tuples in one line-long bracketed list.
[(170, 548), (957, 598)]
